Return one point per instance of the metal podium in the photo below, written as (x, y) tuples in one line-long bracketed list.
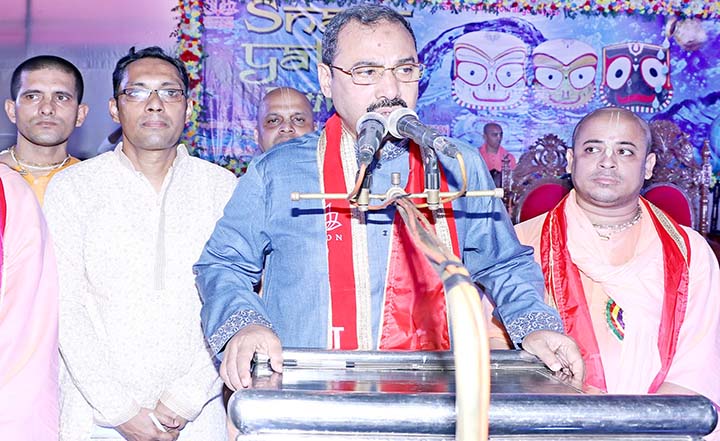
[(362, 396)]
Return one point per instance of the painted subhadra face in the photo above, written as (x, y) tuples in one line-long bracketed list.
[(564, 72)]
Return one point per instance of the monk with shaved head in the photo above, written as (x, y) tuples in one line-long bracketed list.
[(284, 114), (638, 292)]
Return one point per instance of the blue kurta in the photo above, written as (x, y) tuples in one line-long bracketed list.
[(263, 231)]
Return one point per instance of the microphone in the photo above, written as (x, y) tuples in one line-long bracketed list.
[(371, 129), (404, 123)]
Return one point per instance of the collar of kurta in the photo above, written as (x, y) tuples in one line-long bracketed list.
[(181, 155)]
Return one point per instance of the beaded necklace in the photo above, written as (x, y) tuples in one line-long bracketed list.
[(27, 167), (607, 231)]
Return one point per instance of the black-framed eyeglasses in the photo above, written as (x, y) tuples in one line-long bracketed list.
[(140, 94), (365, 75)]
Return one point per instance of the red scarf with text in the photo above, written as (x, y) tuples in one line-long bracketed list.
[(415, 312), (563, 283)]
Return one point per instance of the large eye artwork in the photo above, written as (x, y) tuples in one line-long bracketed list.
[(636, 76), (564, 73), (489, 70)]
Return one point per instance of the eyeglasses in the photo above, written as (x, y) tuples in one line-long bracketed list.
[(139, 95), (364, 75)]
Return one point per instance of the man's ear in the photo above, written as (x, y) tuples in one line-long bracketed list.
[(81, 114), (569, 157), (325, 78), (10, 110), (650, 165), (113, 108)]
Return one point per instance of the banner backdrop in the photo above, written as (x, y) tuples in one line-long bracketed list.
[(533, 74)]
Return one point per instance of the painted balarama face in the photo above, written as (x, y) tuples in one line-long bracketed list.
[(564, 73), (636, 76), (489, 70)]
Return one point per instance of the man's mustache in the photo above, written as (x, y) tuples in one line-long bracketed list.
[(386, 102), (611, 175)]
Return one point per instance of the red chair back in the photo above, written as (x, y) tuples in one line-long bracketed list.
[(672, 201), (541, 199)]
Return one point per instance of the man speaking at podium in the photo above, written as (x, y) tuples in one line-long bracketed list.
[(339, 278)]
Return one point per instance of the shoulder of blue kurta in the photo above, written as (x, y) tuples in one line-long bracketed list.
[(285, 238), (233, 261)]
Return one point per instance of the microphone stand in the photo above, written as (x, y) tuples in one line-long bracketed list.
[(432, 178), (363, 198), (392, 194), (471, 348)]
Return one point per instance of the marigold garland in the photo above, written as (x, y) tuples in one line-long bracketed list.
[(680, 8), (189, 33)]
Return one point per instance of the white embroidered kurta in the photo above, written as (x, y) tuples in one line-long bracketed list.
[(130, 332)]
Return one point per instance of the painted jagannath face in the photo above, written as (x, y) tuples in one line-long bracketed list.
[(489, 70), (564, 73), (636, 76)]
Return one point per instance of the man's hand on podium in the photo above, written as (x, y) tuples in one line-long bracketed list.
[(558, 351), (240, 350)]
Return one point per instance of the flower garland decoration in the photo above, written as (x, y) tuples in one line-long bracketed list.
[(678, 8), (190, 29), (235, 165), (189, 34), (191, 10)]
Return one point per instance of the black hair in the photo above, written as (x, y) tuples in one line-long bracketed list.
[(46, 62), (366, 14), (148, 52)]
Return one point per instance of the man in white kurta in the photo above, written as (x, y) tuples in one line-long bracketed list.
[(135, 362)]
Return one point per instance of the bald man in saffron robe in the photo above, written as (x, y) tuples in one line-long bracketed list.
[(638, 292)]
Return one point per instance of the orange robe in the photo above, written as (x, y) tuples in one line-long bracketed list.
[(494, 160), (39, 184), (629, 269)]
